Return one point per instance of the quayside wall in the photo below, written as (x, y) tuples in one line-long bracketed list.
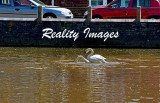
[(126, 33)]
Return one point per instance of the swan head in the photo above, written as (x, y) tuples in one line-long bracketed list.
[(77, 59), (89, 49), (79, 56)]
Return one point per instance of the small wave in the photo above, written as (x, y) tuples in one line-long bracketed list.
[(129, 68), (147, 97), (155, 66), (29, 67), (142, 66), (38, 68), (132, 60), (65, 60), (135, 100), (83, 64)]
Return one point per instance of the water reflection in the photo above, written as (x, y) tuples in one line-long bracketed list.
[(50, 75)]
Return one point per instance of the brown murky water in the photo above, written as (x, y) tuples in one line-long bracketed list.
[(50, 75)]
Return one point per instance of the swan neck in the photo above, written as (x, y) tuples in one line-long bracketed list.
[(85, 60), (92, 52)]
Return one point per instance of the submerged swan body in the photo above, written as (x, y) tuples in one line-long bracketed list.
[(84, 59), (95, 58)]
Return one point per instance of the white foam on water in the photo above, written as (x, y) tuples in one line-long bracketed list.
[(155, 66), (135, 100), (147, 97), (142, 66)]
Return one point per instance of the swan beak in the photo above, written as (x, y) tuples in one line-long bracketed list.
[(87, 50)]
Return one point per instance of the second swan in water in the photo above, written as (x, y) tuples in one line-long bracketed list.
[(84, 59)]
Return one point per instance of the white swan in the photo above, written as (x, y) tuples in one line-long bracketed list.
[(84, 59), (95, 58)]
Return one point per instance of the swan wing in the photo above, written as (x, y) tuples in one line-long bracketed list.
[(97, 57)]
